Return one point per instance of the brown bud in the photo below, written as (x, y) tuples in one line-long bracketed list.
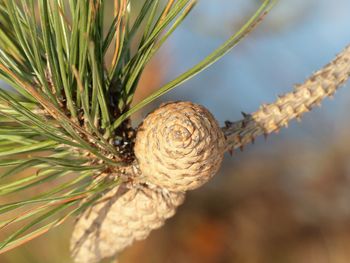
[(179, 146), (118, 219)]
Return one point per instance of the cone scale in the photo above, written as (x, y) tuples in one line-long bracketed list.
[(179, 146)]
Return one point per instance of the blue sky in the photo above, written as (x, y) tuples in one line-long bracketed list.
[(297, 38)]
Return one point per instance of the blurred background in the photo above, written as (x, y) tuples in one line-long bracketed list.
[(283, 200)]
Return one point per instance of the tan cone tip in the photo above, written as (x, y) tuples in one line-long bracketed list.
[(179, 146)]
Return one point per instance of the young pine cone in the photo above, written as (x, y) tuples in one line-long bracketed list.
[(118, 219), (179, 146)]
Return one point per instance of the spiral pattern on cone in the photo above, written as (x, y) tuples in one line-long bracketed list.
[(179, 146), (119, 218)]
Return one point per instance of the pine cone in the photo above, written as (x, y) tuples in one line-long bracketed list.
[(121, 217), (179, 146)]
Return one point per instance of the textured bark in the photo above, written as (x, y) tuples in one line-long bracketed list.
[(179, 146), (119, 218), (272, 117)]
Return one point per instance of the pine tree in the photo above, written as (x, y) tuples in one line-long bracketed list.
[(66, 127)]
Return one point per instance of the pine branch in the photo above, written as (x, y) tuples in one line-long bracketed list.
[(272, 117)]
